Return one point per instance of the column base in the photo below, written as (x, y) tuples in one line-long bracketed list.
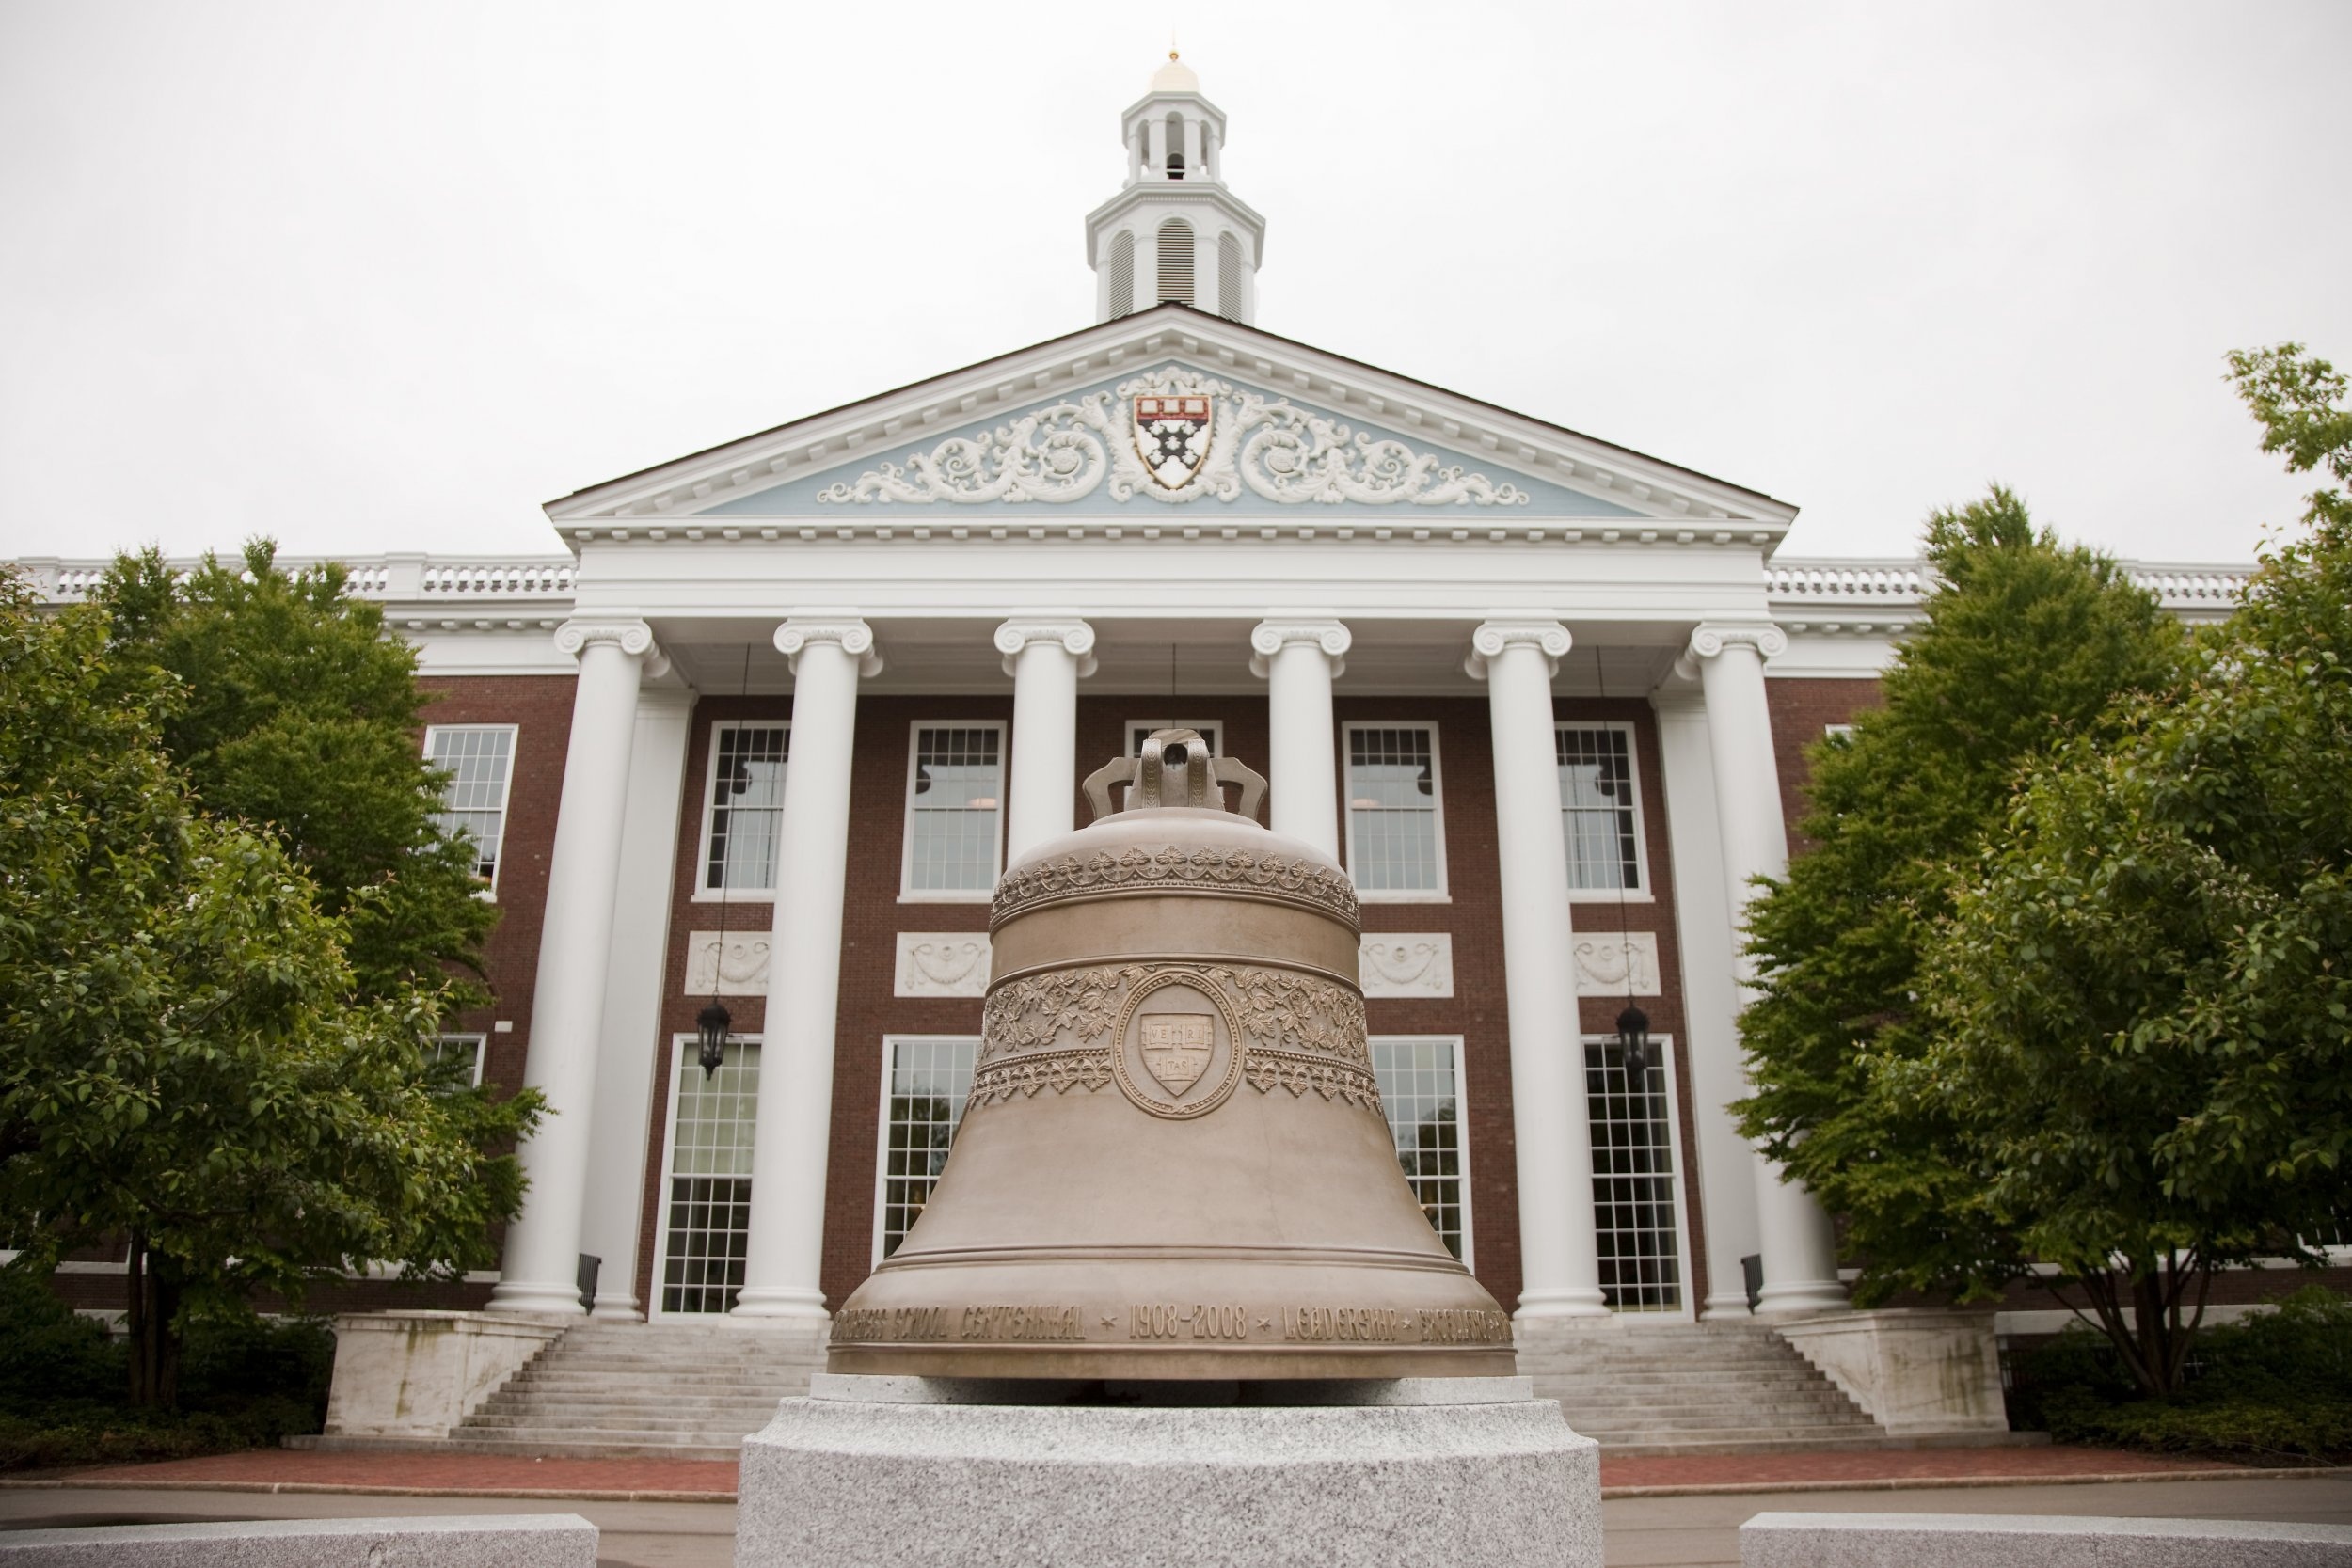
[(781, 1300), (549, 1300), (619, 1305), (1573, 1301), (1811, 1296), (1721, 1308)]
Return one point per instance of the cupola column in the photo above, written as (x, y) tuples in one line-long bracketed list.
[(1047, 657), (1798, 1247), (1559, 1249), (783, 1260), (541, 1271)]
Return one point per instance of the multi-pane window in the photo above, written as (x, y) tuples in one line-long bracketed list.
[(1395, 841), (707, 1225), (954, 806), (929, 1081), (1599, 811), (746, 806), (455, 1060), (1418, 1090), (1210, 730), (1634, 1212), (480, 760)]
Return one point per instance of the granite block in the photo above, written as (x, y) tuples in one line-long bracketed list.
[(476, 1540), (2034, 1541), (849, 1482)]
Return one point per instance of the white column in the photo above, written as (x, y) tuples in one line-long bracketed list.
[(1196, 163), (785, 1258), (1298, 658), (1725, 1163), (1046, 656), (1213, 146), (1559, 1256), (541, 1269), (1156, 147), (632, 994), (1798, 1247)]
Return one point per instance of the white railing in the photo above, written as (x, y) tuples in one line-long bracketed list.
[(1894, 584), (398, 577)]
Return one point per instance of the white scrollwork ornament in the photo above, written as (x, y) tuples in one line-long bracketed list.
[(1278, 451)]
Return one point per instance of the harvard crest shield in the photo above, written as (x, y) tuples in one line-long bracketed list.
[(1172, 435)]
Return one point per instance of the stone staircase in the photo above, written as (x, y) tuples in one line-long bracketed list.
[(1692, 1388), (667, 1390)]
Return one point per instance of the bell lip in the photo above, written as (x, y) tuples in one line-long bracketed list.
[(1171, 1364)]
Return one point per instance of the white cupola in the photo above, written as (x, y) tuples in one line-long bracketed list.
[(1175, 232)]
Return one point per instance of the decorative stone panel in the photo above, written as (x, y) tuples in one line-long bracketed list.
[(740, 970), (1602, 959), (1406, 963), (942, 964)]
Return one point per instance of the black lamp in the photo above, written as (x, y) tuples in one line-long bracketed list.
[(712, 1023), (1633, 1044)]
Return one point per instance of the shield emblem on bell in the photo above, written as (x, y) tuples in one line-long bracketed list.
[(1172, 437), (1177, 1048)]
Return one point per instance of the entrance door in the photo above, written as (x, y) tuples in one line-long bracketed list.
[(706, 1211)]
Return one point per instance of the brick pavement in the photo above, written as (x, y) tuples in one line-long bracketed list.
[(652, 1479)]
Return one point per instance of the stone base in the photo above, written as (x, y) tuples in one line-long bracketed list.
[(484, 1541), (418, 1374), (1920, 1373), (899, 1472), (2033, 1541)]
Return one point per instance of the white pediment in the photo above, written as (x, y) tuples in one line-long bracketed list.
[(1171, 409)]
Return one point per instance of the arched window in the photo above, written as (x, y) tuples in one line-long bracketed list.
[(1175, 145), (1229, 278), (1176, 261), (1122, 275)]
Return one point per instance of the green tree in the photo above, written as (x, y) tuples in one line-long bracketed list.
[(2024, 644), (186, 1059), (2144, 997), (299, 715)]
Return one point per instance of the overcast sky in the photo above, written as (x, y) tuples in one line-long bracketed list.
[(389, 277)]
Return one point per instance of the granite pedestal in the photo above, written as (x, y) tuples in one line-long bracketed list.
[(484, 1541), (954, 1473)]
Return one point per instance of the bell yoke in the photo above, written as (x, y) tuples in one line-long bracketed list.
[(1174, 1163)]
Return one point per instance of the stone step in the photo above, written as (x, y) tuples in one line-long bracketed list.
[(683, 1428), (1753, 1442), (510, 1411)]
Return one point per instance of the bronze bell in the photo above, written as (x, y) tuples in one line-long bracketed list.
[(1173, 1161)]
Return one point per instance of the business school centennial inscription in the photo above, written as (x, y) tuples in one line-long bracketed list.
[(1173, 1161)]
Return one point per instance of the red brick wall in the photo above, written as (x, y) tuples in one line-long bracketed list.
[(1802, 711)]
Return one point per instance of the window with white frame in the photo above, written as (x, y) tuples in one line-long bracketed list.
[(955, 798), (480, 760), (1420, 1092), (706, 1212), (1210, 730), (926, 1082), (455, 1059), (1838, 732), (1636, 1217), (745, 811), (1395, 830), (1601, 808)]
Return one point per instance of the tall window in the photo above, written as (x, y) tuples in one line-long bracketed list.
[(927, 1082), (1123, 274), (1418, 1090), (955, 795), (455, 1060), (1176, 261), (1395, 838), (1229, 278), (707, 1224), (1634, 1212), (1599, 806), (746, 806), (480, 759)]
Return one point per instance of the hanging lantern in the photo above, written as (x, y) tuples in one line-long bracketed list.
[(712, 1023), (1634, 1045)]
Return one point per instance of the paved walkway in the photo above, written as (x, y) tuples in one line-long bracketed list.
[(688, 1479)]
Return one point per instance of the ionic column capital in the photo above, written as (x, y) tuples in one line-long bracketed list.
[(1269, 638), (1075, 637), (1712, 637), (849, 633), (625, 632), (1487, 643)]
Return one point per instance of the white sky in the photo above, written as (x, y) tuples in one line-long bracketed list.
[(387, 277)]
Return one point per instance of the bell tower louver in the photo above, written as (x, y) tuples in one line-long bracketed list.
[(1175, 232)]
